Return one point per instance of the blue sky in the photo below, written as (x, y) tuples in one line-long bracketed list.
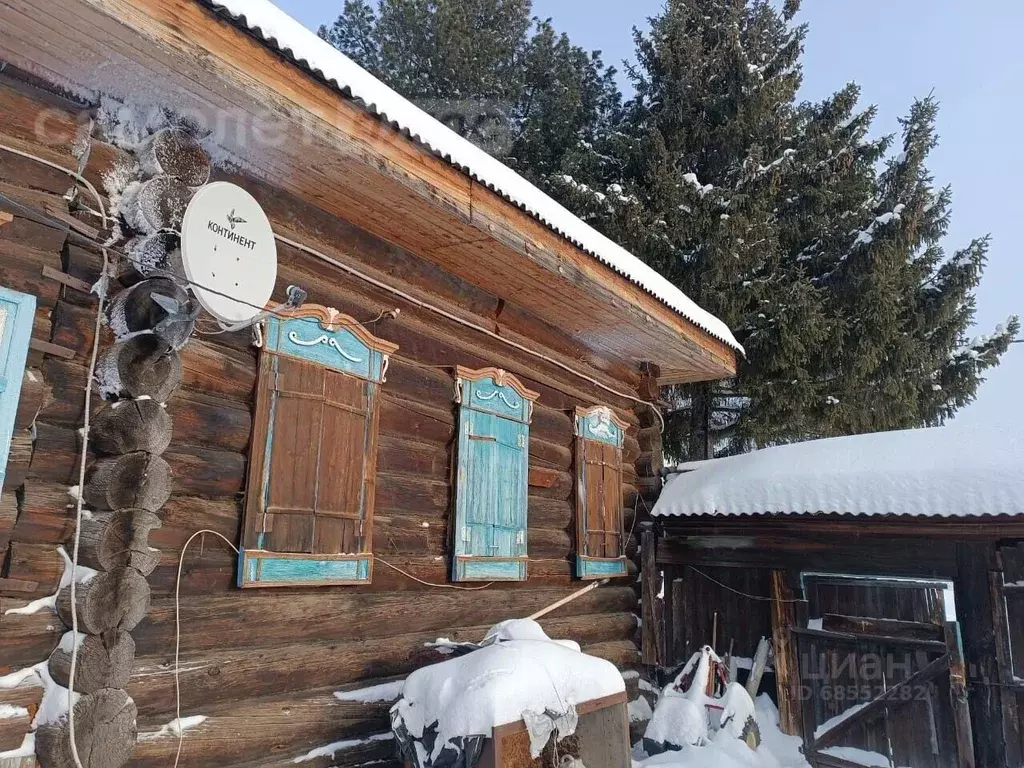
[(969, 54)]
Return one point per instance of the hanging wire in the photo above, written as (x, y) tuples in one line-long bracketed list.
[(759, 598)]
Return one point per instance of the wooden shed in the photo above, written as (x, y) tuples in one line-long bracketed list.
[(884, 568), (453, 429)]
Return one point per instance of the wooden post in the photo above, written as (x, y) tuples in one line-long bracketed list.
[(958, 697), (1004, 663), (665, 653), (649, 579), (787, 678), (974, 611)]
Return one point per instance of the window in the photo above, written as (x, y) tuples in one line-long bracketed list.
[(17, 313), (309, 502), (599, 535), (492, 469)]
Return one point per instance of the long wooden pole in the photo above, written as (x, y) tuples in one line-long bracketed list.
[(568, 599)]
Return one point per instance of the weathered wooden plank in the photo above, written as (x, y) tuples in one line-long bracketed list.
[(651, 576), (958, 697), (1004, 661), (974, 612), (863, 625), (787, 669)]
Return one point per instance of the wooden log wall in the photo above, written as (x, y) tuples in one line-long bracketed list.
[(260, 668)]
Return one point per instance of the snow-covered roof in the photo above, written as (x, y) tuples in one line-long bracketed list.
[(940, 472), (287, 36)]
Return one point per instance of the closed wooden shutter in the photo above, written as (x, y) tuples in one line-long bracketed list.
[(491, 484), (599, 524), (311, 487), (602, 483)]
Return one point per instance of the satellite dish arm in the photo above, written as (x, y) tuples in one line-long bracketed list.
[(296, 298)]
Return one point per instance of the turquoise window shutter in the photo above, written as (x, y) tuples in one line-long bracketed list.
[(17, 311), (491, 482)]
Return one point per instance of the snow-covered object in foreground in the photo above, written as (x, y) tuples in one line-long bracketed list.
[(739, 720), (282, 32), (777, 750), (681, 717), (468, 696), (940, 472)]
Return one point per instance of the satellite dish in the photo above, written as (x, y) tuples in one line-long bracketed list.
[(229, 252)]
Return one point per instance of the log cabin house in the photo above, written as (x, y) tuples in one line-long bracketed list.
[(454, 429), (887, 571)]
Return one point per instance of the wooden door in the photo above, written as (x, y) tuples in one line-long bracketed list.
[(881, 676)]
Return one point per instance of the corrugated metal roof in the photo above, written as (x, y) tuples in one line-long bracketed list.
[(306, 50), (942, 472)]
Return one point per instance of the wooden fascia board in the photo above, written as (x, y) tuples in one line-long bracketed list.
[(842, 527), (185, 26)]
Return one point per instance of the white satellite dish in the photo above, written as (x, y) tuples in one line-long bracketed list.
[(229, 252)]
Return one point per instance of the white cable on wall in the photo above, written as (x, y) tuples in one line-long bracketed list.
[(468, 324)]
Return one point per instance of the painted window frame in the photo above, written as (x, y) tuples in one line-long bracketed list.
[(494, 400), (597, 425), (326, 338), (17, 316)]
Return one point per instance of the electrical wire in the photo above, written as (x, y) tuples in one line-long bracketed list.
[(431, 584), (177, 635), (744, 594)]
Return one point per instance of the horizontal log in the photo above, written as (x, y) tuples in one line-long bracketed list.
[(199, 418), (215, 369), (25, 231), (621, 653), (13, 727), (215, 676), (46, 514), (40, 563), (215, 569), (182, 516), (26, 639), (30, 174), (21, 269), (424, 423), (206, 472), (423, 460), (212, 622), (280, 729), (197, 471)]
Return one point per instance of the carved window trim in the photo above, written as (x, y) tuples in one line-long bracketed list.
[(313, 338)]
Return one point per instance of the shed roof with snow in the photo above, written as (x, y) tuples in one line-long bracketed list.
[(940, 472)]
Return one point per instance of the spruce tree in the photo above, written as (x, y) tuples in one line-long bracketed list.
[(815, 243), (507, 82), (905, 359)]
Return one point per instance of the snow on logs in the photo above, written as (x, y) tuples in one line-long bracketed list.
[(130, 481)]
